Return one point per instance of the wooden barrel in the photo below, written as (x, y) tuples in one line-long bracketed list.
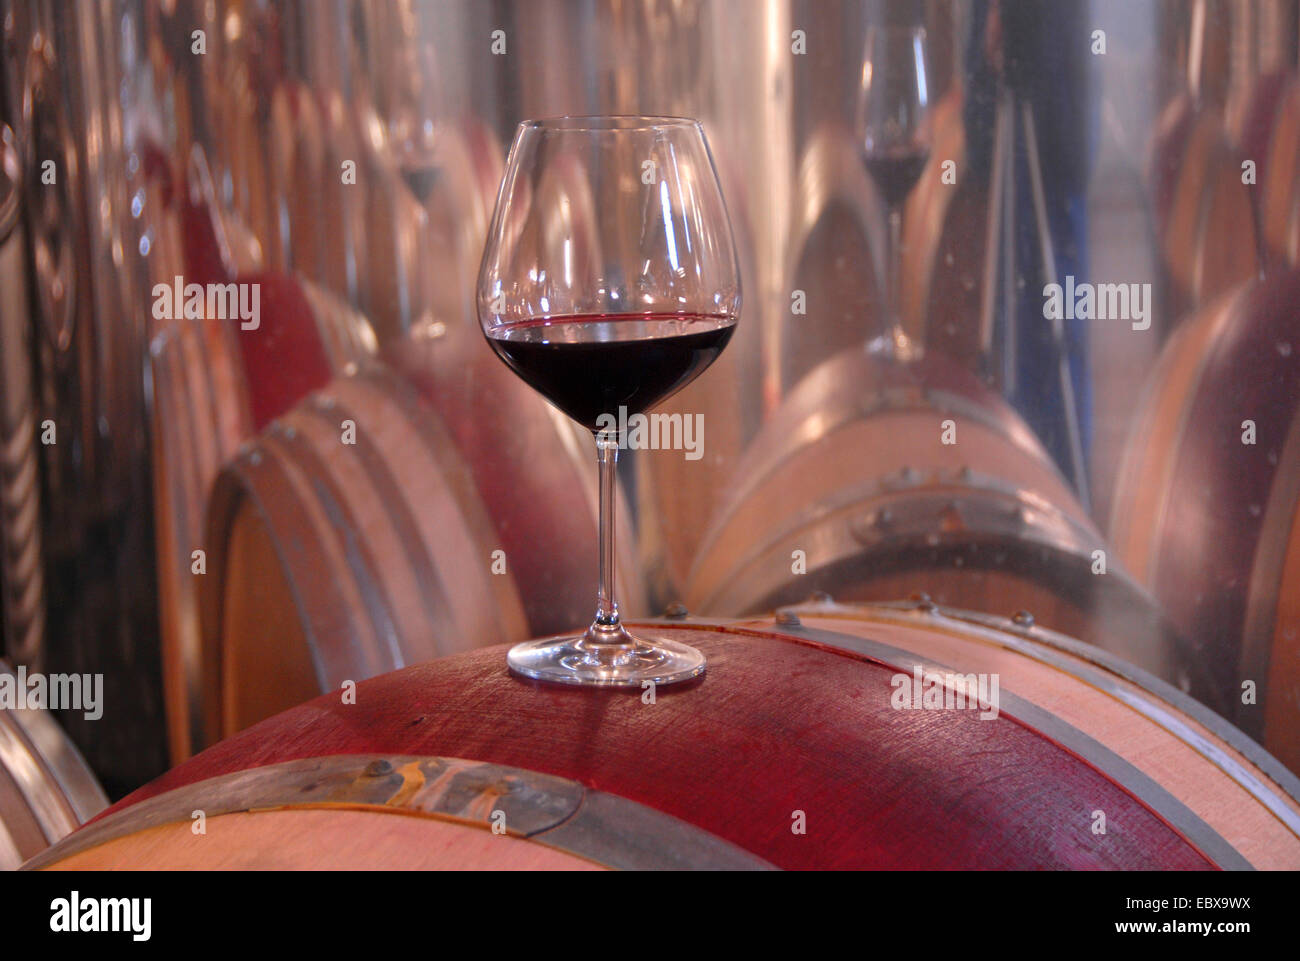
[(854, 473), (46, 790), (346, 336), (213, 385), (346, 541), (1165, 153), (1280, 203), (200, 416), (796, 749), (1208, 522), (1202, 35), (203, 409), (534, 469), (305, 336)]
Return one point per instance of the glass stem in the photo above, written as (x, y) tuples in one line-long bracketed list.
[(606, 607), (893, 282)]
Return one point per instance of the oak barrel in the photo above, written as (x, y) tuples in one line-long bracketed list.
[(854, 473), (213, 384), (534, 469), (305, 336), (46, 790), (303, 332), (345, 541), (200, 416), (795, 750), (1206, 515)]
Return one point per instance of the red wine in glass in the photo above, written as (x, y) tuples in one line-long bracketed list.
[(589, 365), (609, 282)]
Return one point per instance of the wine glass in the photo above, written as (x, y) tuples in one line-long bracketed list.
[(609, 282), (894, 122)]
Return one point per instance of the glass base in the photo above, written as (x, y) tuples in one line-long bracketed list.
[(628, 660)]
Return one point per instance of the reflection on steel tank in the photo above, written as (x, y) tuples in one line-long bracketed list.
[(1207, 505), (21, 577), (1203, 209), (71, 96), (46, 790), (333, 562), (879, 480)]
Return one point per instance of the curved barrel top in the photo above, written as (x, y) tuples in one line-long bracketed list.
[(787, 748)]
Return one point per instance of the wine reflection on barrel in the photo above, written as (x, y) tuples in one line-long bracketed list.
[(895, 123)]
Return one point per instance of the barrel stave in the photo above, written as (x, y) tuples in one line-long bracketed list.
[(339, 546), (46, 789), (796, 721)]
